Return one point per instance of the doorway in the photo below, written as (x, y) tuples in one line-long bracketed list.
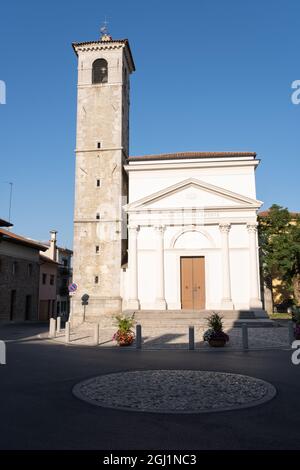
[(192, 274)]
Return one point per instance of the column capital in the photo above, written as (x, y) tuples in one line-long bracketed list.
[(252, 227), (224, 227), (133, 227), (160, 228)]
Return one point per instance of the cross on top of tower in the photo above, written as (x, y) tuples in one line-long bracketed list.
[(105, 36)]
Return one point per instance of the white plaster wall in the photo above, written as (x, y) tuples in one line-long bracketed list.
[(239, 179)]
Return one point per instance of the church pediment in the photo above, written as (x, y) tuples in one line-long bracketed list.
[(192, 193)]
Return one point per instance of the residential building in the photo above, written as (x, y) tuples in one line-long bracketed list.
[(57, 265), (48, 288), (19, 276)]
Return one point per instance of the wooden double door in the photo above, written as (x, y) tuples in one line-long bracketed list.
[(192, 282)]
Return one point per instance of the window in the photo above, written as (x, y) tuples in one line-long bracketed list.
[(65, 262), (97, 249), (100, 71), (14, 268), (96, 279), (44, 278), (52, 277), (29, 270), (98, 216), (13, 297), (98, 183), (98, 145), (28, 303)]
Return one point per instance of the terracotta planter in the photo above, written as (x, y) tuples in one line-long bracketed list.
[(126, 342), (217, 343), (125, 339)]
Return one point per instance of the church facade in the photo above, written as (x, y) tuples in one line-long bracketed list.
[(155, 232)]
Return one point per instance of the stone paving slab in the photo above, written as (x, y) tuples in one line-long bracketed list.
[(177, 338)]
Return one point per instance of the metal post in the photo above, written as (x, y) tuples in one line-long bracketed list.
[(291, 331), (96, 334), (2, 352), (191, 338), (245, 336), (58, 324), (138, 336), (52, 328), (67, 332)]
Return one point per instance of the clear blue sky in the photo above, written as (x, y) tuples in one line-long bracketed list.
[(211, 75)]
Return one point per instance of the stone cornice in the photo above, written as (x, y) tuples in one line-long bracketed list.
[(191, 209), (104, 46), (196, 163), (95, 150)]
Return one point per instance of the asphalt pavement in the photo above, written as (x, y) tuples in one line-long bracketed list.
[(38, 410)]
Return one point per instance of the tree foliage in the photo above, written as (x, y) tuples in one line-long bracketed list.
[(279, 239)]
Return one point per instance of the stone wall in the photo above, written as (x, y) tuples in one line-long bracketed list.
[(22, 279)]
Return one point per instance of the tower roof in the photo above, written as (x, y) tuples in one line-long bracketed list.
[(104, 44)]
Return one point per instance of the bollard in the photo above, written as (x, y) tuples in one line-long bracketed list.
[(138, 336), (52, 328), (245, 335), (67, 332), (191, 338), (58, 324), (96, 334), (291, 331), (2, 353)]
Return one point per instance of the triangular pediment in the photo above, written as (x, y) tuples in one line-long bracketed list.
[(192, 193)]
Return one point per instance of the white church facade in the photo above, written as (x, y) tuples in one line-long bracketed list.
[(155, 232)]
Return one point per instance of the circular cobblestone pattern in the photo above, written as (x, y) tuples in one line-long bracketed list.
[(174, 391)]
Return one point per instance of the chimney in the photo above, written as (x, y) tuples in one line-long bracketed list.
[(53, 248)]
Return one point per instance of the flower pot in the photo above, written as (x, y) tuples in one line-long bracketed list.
[(124, 339), (126, 342), (217, 343)]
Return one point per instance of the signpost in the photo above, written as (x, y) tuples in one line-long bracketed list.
[(84, 302), (72, 288)]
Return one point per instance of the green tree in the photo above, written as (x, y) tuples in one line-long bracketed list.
[(279, 239)]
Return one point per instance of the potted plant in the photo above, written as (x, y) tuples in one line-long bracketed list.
[(215, 335), (124, 335)]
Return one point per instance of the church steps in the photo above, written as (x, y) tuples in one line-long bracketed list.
[(183, 319)]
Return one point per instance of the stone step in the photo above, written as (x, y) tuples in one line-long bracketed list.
[(178, 315), (174, 318), (188, 317), (184, 318), (203, 324)]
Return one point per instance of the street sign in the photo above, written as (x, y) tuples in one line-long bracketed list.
[(85, 299), (72, 287)]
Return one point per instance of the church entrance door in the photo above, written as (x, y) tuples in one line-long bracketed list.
[(192, 270)]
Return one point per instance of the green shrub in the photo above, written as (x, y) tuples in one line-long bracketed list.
[(215, 322)]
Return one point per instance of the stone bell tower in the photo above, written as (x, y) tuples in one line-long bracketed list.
[(100, 245)]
